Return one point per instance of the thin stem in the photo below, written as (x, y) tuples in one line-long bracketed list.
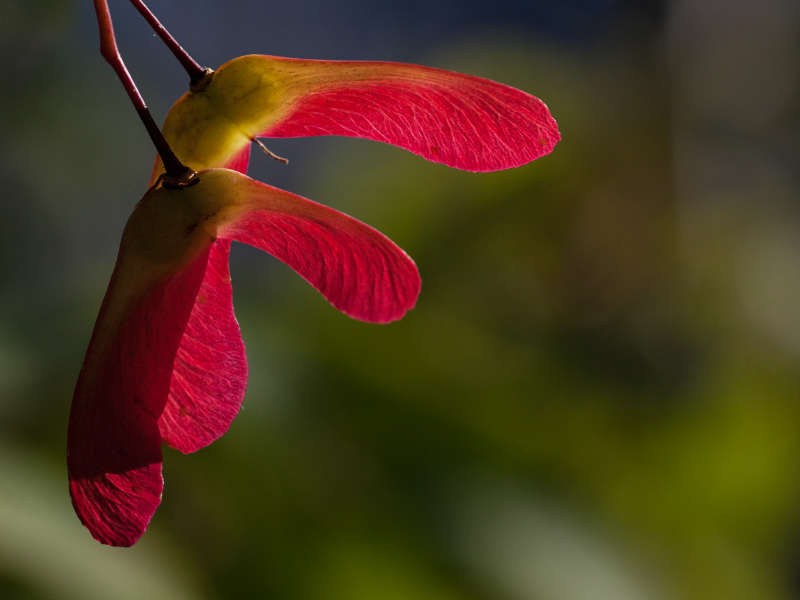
[(195, 71), (109, 51), (270, 153)]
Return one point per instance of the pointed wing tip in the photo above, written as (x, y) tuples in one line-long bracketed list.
[(541, 143), (116, 541), (117, 508), (391, 307), (188, 438), (499, 157)]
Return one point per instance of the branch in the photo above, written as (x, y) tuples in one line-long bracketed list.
[(195, 71), (109, 51)]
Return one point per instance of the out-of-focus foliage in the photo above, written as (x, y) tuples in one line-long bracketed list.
[(595, 398), (42, 552)]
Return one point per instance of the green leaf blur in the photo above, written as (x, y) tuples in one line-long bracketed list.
[(595, 398)]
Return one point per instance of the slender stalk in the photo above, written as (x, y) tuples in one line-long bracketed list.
[(195, 71), (109, 51), (270, 153)]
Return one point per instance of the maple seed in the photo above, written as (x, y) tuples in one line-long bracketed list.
[(166, 362), (458, 120)]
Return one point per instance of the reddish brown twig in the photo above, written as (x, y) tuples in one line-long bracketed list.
[(195, 71), (108, 49)]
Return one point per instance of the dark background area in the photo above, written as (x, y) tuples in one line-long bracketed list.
[(596, 396)]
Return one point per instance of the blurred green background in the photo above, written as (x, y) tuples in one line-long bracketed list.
[(597, 396)]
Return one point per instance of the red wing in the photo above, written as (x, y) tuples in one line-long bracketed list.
[(210, 373), (114, 446), (459, 120), (358, 269)]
